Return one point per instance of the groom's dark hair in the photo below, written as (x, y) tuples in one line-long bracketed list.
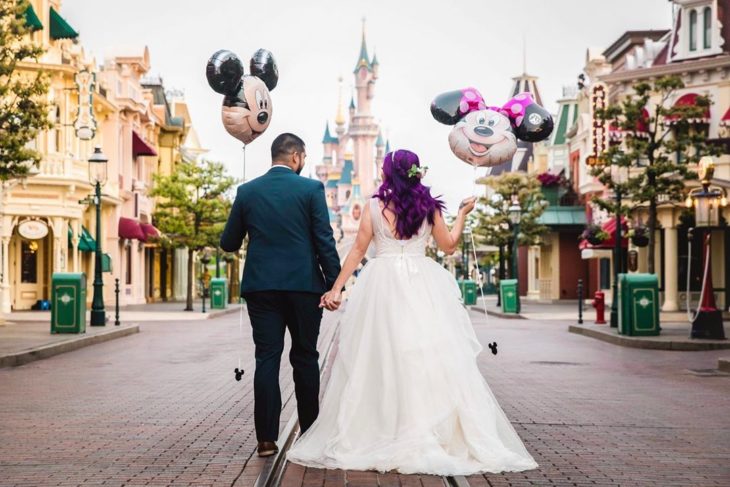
[(285, 144)]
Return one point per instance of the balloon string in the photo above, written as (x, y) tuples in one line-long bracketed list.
[(480, 282), (240, 309)]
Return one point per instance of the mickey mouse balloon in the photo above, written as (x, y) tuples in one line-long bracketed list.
[(247, 108), (487, 135)]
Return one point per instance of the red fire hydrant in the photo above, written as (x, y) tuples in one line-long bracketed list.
[(599, 302)]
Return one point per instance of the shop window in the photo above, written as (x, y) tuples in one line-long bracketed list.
[(29, 262), (128, 265), (605, 273)]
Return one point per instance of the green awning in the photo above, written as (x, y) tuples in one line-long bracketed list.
[(60, 28), (563, 216), (86, 241), (32, 20)]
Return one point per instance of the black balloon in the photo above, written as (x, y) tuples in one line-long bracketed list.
[(445, 107), (263, 66), (537, 124), (224, 72)]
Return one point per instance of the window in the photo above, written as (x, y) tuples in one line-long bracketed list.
[(128, 265), (706, 27), (29, 262), (693, 30), (605, 273)]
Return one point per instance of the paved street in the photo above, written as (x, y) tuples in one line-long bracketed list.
[(161, 407)]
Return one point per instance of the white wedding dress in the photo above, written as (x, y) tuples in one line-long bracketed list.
[(405, 392)]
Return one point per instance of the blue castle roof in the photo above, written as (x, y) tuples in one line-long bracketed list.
[(328, 138)]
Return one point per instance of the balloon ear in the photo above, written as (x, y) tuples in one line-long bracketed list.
[(445, 107), (535, 125), (263, 66), (224, 71)]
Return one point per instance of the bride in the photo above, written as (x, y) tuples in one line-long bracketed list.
[(405, 392)]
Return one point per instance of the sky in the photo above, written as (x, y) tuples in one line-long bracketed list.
[(425, 47)]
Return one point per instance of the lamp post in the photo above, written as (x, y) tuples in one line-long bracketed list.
[(707, 202), (618, 175), (465, 241), (98, 177), (515, 215)]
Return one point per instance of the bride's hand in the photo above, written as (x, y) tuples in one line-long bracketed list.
[(331, 300), (467, 205)]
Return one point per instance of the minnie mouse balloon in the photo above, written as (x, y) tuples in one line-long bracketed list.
[(486, 135), (247, 107)]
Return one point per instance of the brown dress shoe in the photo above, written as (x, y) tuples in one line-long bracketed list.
[(267, 448)]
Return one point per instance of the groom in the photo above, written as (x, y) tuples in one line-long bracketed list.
[(291, 261)]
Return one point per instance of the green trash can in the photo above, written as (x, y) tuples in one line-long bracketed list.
[(508, 293), (68, 302), (218, 293), (468, 291), (638, 303)]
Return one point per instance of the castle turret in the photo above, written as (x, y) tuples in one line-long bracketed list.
[(379, 153)]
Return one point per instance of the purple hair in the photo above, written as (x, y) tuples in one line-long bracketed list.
[(411, 201)]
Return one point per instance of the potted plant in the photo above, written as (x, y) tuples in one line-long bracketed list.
[(639, 235), (551, 184), (594, 234)]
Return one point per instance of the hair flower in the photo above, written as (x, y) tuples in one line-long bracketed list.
[(416, 171)]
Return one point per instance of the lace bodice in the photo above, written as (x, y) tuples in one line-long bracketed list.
[(386, 245)]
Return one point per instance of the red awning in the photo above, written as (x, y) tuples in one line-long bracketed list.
[(149, 230), (725, 120), (616, 133), (688, 100), (140, 147), (610, 228), (131, 229)]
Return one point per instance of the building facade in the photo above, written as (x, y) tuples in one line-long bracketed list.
[(697, 49)]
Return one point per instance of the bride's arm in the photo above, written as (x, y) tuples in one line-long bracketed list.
[(353, 259), (448, 240)]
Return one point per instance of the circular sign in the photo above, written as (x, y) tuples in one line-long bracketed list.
[(32, 229)]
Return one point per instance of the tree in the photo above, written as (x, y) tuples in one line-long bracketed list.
[(23, 110), (656, 148), (494, 224), (192, 209)]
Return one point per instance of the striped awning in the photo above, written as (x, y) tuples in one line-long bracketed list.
[(32, 20), (86, 241), (60, 29)]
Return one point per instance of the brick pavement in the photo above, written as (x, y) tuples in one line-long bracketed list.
[(157, 408), (591, 413), (161, 408)]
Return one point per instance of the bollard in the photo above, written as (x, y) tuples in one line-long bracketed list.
[(205, 292), (580, 301), (599, 302), (116, 302)]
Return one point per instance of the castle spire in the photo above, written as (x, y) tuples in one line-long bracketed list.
[(363, 60), (340, 119), (328, 138)]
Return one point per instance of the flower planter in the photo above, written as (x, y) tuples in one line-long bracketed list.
[(640, 240), (595, 240)]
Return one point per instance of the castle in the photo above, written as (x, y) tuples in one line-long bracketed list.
[(353, 157)]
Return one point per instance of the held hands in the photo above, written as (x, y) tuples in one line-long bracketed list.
[(331, 300), (467, 206)]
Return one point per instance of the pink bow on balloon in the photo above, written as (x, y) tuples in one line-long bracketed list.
[(514, 109)]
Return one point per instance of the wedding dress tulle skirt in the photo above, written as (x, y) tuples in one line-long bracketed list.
[(405, 392)]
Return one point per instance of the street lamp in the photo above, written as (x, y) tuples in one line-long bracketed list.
[(465, 240), (619, 176), (515, 215), (98, 177), (707, 202)]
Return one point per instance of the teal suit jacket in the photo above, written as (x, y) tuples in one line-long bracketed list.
[(291, 245)]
